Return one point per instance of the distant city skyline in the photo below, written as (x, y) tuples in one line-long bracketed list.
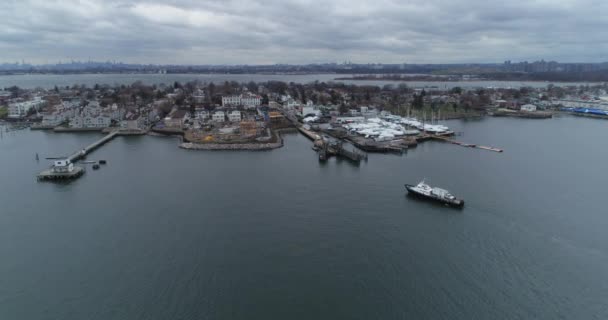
[(264, 32)]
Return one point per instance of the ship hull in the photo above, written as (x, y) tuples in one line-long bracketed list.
[(455, 203)]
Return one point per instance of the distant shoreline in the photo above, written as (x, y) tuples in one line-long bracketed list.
[(452, 80)]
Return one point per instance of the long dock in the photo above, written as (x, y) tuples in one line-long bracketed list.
[(467, 145), (88, 149)]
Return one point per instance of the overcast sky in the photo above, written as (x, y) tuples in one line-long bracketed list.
[(303, 31)]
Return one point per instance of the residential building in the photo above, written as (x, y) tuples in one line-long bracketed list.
[(176, 119), (20, 109), (291, 104), (91, 116), (201, 114), (58, 115), (308, 110), (234, 116), (218, 116), (133, 121), (247, 100), (251, 100)]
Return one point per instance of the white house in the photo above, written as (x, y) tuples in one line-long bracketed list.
[(231, 100), (218, 116), (528, 107), (234, 116)]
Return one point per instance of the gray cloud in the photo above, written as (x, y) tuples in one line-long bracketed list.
[(303, 31)]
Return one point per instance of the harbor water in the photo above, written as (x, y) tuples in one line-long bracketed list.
[(165, 233)]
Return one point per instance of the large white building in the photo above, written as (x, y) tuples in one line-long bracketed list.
[(20, 109), (91, 116), (246, 100)]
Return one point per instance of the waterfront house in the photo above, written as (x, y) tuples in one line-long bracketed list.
[(90, 121), (91, 116), (133, 121), (176, 119), (58, 115), (19, 110)]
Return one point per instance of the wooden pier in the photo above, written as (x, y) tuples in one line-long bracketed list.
[(65, 169), (88, 149)]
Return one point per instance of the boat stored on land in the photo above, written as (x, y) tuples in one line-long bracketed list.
[(436, 194)]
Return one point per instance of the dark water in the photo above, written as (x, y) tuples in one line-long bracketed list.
[(164, 233), (49, 81)]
